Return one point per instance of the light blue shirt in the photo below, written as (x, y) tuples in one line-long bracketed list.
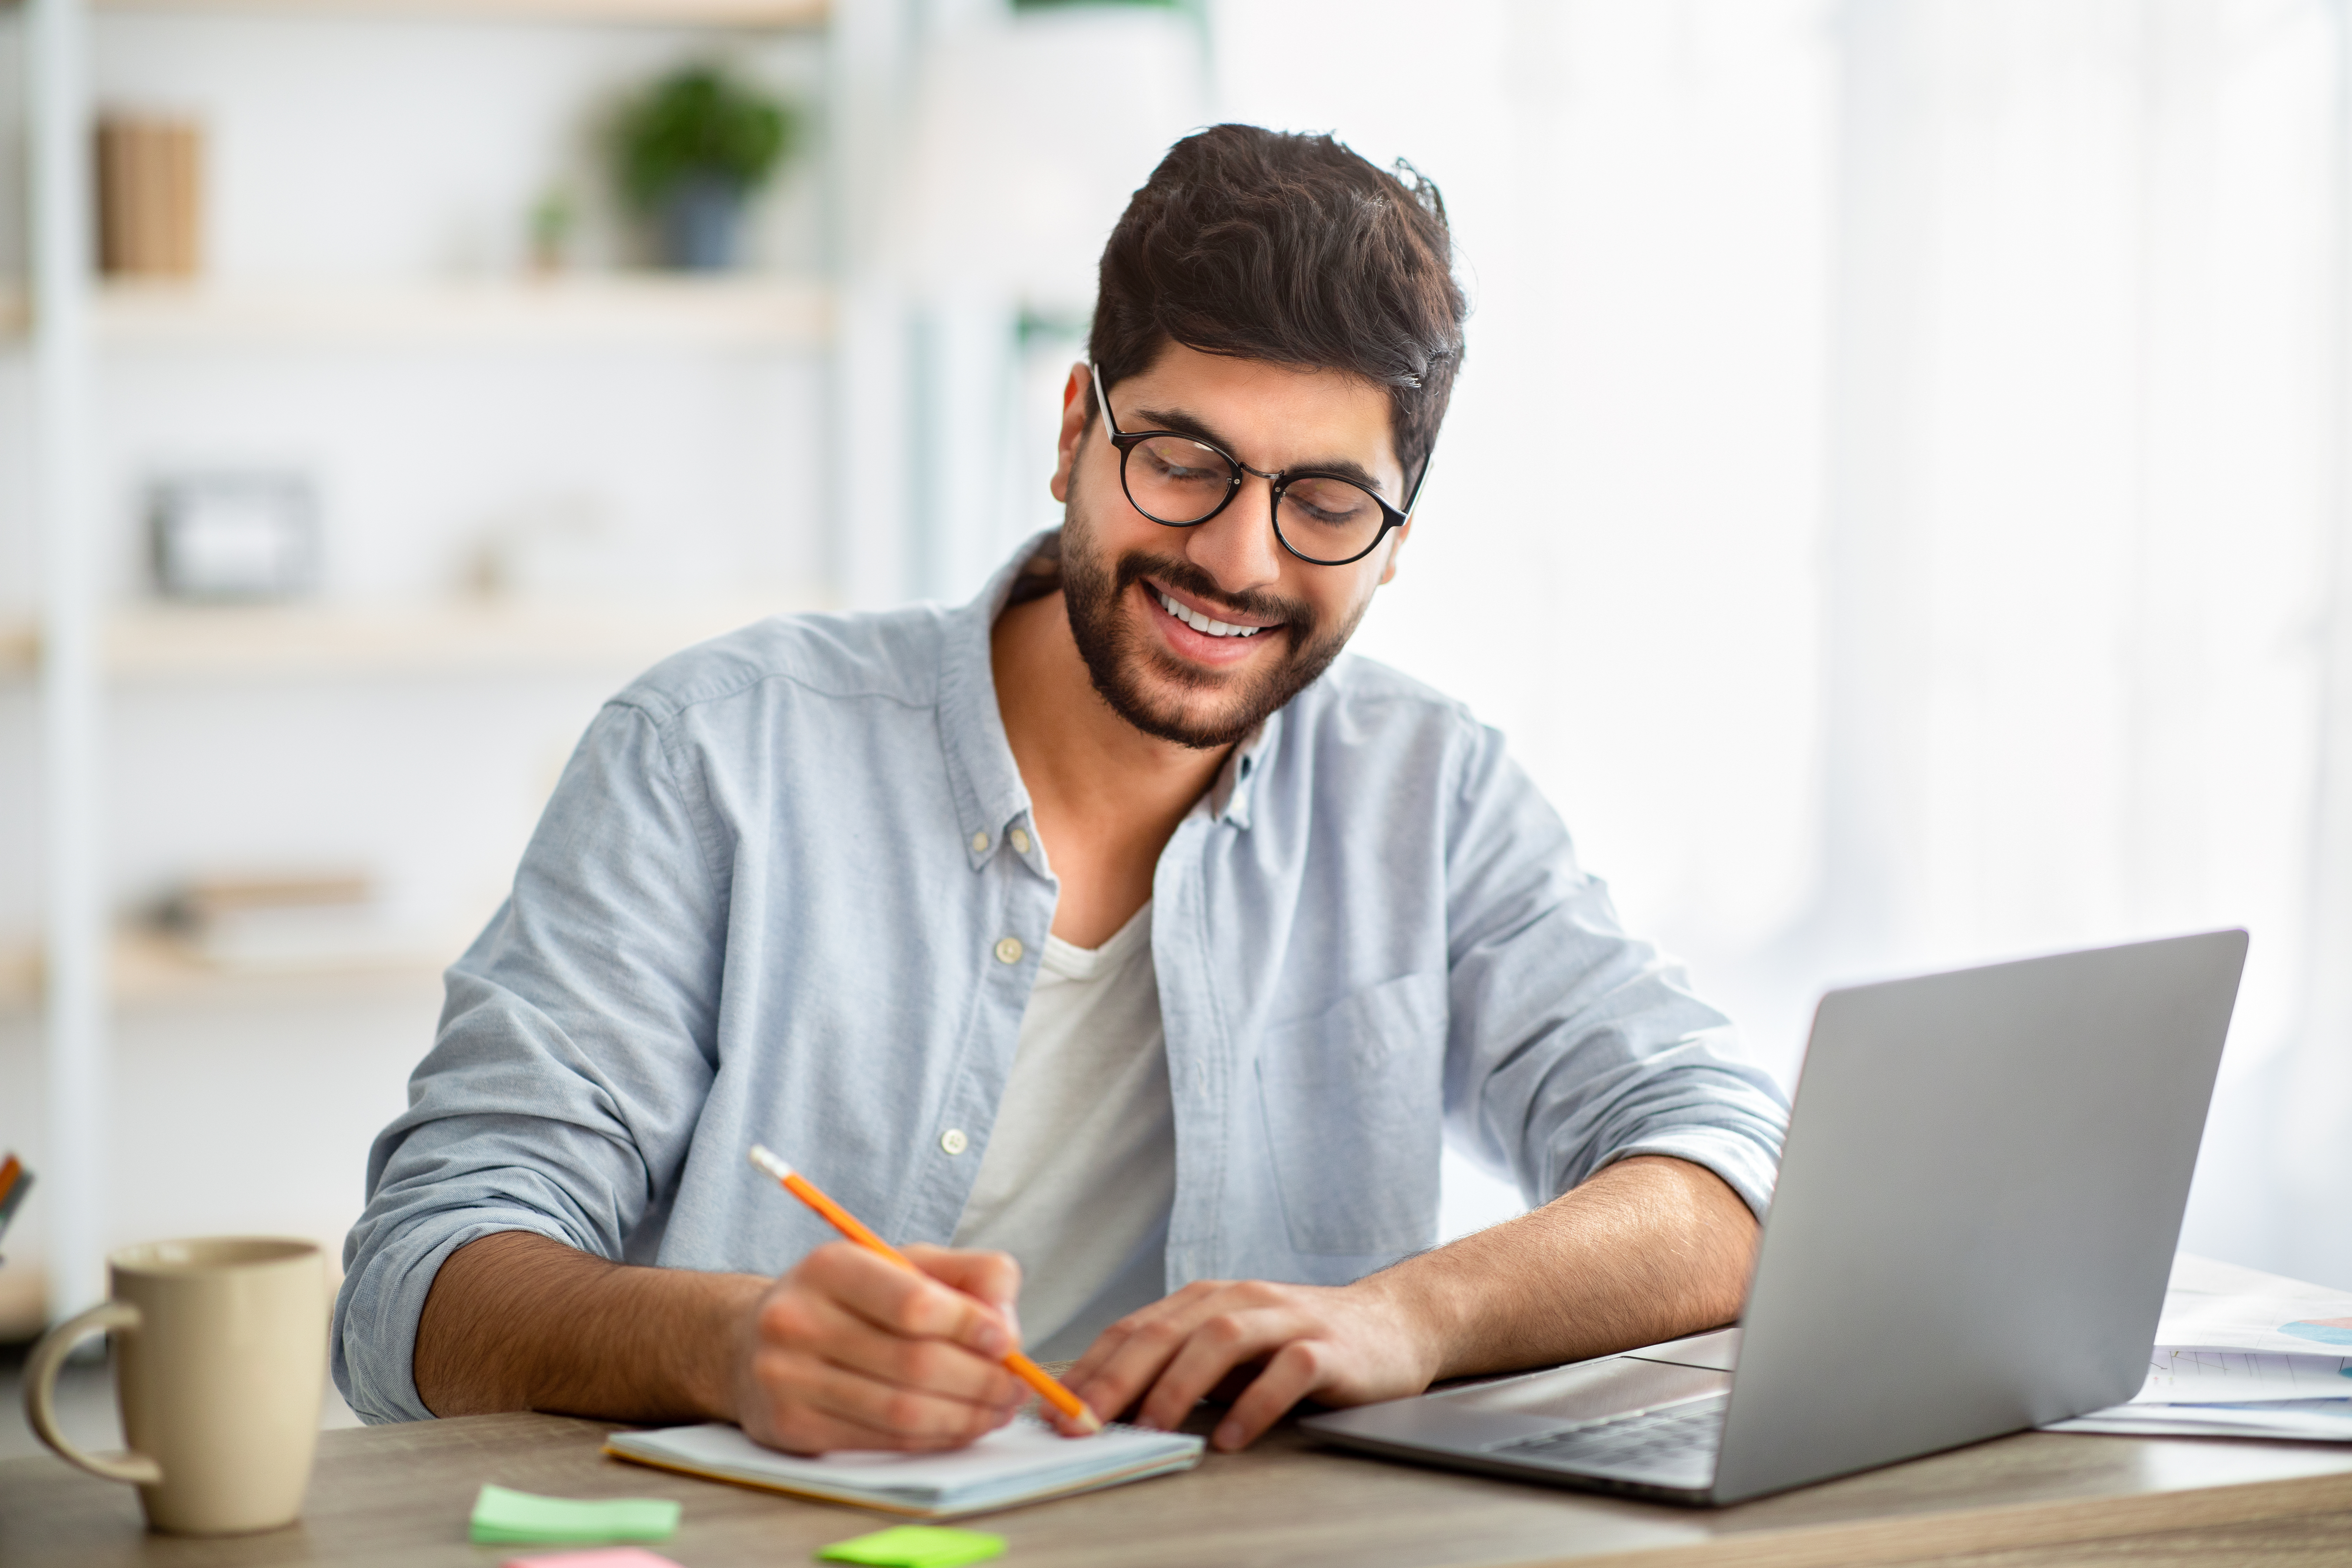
[(774, 899)]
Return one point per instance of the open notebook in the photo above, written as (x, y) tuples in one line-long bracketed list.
[(1024, 1462)]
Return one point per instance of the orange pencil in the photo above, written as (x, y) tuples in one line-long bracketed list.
[(850, 1226)]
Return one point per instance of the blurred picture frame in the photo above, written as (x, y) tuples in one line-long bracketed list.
[(233, 537)]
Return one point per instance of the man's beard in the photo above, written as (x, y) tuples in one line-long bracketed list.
[(1118, 659)]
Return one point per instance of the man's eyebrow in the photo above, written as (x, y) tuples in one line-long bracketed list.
[(1178, 423)]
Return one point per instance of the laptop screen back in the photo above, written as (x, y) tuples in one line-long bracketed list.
[(1979, 1200)]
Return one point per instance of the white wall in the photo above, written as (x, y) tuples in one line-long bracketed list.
[(245, 1116), (1894, 501), (1617, 559)]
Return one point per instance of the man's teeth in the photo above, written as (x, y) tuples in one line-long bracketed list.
[(1201, 622)]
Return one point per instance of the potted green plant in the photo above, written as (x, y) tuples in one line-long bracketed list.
[(690, 150)]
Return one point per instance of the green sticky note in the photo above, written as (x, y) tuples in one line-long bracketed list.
[(503, 1518), (917, 1546)]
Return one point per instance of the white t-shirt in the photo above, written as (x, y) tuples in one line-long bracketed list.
[(1080, 1169)]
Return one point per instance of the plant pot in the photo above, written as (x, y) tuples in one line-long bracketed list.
[(698, 221)]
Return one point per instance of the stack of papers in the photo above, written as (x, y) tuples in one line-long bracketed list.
[(1022, 1462), (2240, 1353)]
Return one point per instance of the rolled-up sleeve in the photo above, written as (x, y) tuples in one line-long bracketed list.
[(575, 1048), (1572, 1044)]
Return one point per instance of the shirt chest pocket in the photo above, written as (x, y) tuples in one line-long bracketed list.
[(1354, 1103)]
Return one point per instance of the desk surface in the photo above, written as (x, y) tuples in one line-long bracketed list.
[(401, 1495)]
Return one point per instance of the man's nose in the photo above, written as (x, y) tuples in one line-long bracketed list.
[(1237, 546)]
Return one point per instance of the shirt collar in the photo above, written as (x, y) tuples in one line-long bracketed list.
[(1236, 786), (990, 796)]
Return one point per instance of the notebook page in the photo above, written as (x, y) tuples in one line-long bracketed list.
[(1026, 1456)]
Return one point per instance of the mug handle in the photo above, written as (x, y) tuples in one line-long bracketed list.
[(41, 1395)]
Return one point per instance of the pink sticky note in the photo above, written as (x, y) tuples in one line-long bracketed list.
[(602, 1557)]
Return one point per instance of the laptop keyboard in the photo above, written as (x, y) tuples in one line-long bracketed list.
[(1667, 1439)]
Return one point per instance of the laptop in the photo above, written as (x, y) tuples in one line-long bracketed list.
[(1976, 1216)]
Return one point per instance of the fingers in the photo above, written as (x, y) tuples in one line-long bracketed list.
[(840, 1337), (907, 1417), (817, 1408), (1179, 1349), (1221, 1342), (1273, 1344), (1091, 1361), (1125, 1358), (851, 1350), (1298, 1369), (914, 1306), (1112, 1341), (992, 1277), (1068, 1425)]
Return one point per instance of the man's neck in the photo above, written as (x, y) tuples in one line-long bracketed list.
[(1105, 796)]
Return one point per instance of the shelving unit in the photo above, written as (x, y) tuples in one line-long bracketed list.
[(74, 997), (578, 310), (148, 970), (760, 14), (308, 642), (82, 653)]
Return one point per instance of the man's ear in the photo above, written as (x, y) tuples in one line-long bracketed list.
[(1073, 426), (1396, 543)]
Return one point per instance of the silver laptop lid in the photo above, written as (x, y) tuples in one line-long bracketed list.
[(1980, 1198)]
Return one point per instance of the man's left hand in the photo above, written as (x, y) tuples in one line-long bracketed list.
[(1648, 1249), (1348, 1345)]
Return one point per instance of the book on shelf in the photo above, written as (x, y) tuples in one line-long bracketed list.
[(150, 195)]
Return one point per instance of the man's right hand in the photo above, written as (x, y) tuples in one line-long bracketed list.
[(850, 1351)]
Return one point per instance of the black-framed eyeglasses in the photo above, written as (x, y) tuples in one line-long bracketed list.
[(1180, 482)]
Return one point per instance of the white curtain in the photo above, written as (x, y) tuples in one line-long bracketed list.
[(1895, 497)]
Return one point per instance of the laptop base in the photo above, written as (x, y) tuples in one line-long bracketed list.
[(1518, 1426)]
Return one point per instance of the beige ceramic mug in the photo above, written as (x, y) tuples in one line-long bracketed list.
[(220, 1353)]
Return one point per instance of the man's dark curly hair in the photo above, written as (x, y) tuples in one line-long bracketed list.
[(1272, 246)]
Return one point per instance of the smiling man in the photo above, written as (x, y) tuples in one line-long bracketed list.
[(1113, 944)]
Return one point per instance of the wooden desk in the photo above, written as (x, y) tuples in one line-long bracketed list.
[(400, 1495)]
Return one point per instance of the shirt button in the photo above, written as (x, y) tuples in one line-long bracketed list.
[(1009, 951), (1020, 842), (980, 843), (954, 1141)]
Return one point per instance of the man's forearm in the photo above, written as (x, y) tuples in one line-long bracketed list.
[(1648, 1249), (516, 1321)]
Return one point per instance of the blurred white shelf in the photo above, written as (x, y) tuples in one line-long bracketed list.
[(653, 13), (457, 637), (149, 970), (732, 310)]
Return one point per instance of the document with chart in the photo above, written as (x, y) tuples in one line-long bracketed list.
[(2241, 1353)]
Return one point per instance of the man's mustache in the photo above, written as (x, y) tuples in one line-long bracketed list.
[(1186, 578)]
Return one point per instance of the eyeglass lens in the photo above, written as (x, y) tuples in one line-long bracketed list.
[(1173, 480)]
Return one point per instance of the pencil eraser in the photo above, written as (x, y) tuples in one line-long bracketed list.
[(601, 1557)]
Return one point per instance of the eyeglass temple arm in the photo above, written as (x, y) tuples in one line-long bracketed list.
[(1428, 459), (1102, 398)]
